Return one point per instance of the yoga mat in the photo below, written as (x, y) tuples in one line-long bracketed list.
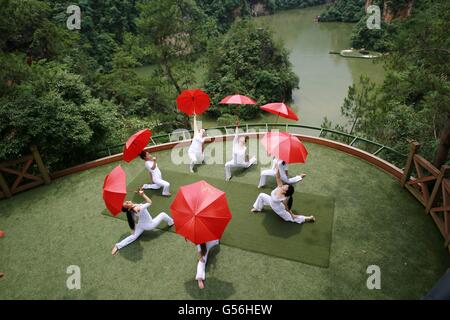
[(263, 232)]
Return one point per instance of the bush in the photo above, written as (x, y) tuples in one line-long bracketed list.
[(227, 120)]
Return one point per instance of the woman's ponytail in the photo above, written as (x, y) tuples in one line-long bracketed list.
[(130, 218)]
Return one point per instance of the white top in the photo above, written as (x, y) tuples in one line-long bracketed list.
[(278, 206), (238, 151), (283, 168), (156, 173), (197, 144), (143, 214)]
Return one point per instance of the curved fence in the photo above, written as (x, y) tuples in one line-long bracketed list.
[(384, 152)]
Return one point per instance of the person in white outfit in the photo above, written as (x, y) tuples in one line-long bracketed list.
[(240, 156), (281, 200), (283, 168), (140, 220), (203, 251), (152, 166), (195, 151)]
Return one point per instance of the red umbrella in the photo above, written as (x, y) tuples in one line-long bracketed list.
[(136, 144), (193, 102), (115, 190), (200, 212), (237, 99), (285, 146), (281, 110)]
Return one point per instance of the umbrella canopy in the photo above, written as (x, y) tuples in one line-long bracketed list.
[(281, 110), (115, 190), (285, 146), (136, 144), (193, 101), (200, 212), (237, 99)]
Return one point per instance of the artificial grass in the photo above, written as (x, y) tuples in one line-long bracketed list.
[(376, 222), (263, 232)]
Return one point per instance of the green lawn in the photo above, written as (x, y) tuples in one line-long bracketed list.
[(375, 223)]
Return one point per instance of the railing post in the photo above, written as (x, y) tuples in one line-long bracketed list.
[(4, 186), (409, 163), (40, 164), (436, 188)]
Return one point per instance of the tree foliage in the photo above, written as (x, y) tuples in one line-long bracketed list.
[(248, 61), (414, 100)]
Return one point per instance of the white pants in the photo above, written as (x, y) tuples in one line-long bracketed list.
[(201, 266), (232, 164), (196, 158), (140, 228), (159, 183), (271, 173), (264, 200)]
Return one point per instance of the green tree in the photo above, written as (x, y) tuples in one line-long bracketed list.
[(246, 60), (173, 29)]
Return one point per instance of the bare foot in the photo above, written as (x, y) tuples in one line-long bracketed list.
[(313, 219), (167, 195), (114, 251), (201, 284), (254, 210)]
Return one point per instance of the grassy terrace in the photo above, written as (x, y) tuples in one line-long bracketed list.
[(375, 223)]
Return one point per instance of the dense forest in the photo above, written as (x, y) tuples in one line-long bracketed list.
[(413, 102), (73, 92)]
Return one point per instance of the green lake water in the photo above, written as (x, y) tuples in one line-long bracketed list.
[(324, 78)]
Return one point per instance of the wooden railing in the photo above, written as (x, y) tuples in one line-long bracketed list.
[(430, 187), (18, 169)]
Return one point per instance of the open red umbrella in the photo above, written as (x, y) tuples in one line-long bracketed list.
[(115, 190), (200, 212), (237, 99), (136, 144), (285, 146), (281, 110), (193, 101)]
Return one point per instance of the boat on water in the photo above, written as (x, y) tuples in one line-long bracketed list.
[(358, 53)]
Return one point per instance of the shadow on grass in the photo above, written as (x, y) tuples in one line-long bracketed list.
[(241, 172), (214, 289), (277, 227), (134, 251)]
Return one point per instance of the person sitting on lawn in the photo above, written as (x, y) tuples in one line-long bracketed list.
[(240, 156), (281, 201), (152, 166), (140, 220), (195, 151), (284, 174)]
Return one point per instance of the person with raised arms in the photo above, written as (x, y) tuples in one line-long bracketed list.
[(195, 151), (140, 220), (157, 181), (283, 171), (240, 158), (281, 201)]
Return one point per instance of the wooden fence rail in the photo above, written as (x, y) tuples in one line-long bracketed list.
[(18, 169), (431, 188)]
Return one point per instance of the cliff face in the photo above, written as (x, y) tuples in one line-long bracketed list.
[(390, 14)]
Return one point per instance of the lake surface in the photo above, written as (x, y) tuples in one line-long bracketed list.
[(324, 78)]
